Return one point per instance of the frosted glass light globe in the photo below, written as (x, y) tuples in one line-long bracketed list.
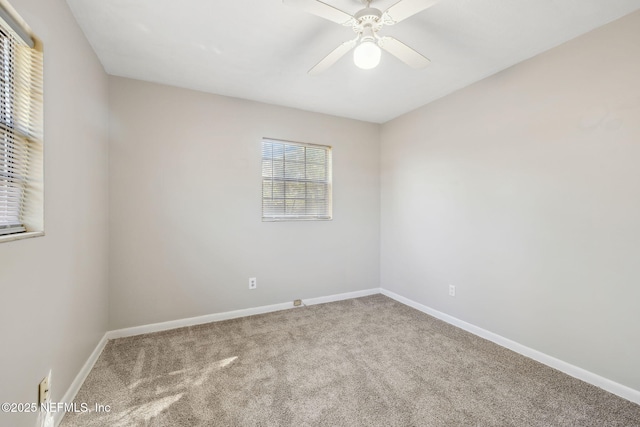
[(367, 55)]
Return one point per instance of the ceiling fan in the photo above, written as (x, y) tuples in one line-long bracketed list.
[(366, 23)]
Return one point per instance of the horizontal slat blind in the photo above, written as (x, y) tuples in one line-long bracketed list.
[(296, 181), (20, 124)]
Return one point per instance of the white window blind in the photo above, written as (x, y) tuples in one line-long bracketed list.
[(20, 130), (296, 181)]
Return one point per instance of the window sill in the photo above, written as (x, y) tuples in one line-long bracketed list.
[(20, 236), (285, 219)]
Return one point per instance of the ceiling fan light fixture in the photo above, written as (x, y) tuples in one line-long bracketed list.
[(367, 55)]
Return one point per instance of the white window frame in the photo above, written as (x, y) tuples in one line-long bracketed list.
[(21, 129), (315, 206)]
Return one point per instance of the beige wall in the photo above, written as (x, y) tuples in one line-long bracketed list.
[(523, 191), (185, 206), (53, 289)]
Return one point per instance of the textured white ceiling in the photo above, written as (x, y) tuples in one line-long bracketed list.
[(261, 49)]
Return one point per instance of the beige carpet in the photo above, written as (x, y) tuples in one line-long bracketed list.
[(364, 362)]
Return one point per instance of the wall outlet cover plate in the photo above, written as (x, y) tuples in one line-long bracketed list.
[(43, 391)]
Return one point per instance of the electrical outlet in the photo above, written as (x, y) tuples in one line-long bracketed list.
[(43, 390), (253, 283), (452, 291), (297, 302)]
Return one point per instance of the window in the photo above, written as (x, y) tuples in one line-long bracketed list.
[(21, 201), (296, 181)]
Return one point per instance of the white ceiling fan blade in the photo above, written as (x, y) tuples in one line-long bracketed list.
[(333, 57), (403, 52), (404, 9), (323, 10)]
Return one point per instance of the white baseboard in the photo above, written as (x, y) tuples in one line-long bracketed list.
[(216, 317), (192, 321), (569, 369), (341, 297), (79, 379)]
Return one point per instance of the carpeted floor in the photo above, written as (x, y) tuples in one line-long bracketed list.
[(363, 362)]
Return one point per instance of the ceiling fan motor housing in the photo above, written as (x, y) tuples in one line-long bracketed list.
[(368, 21)]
